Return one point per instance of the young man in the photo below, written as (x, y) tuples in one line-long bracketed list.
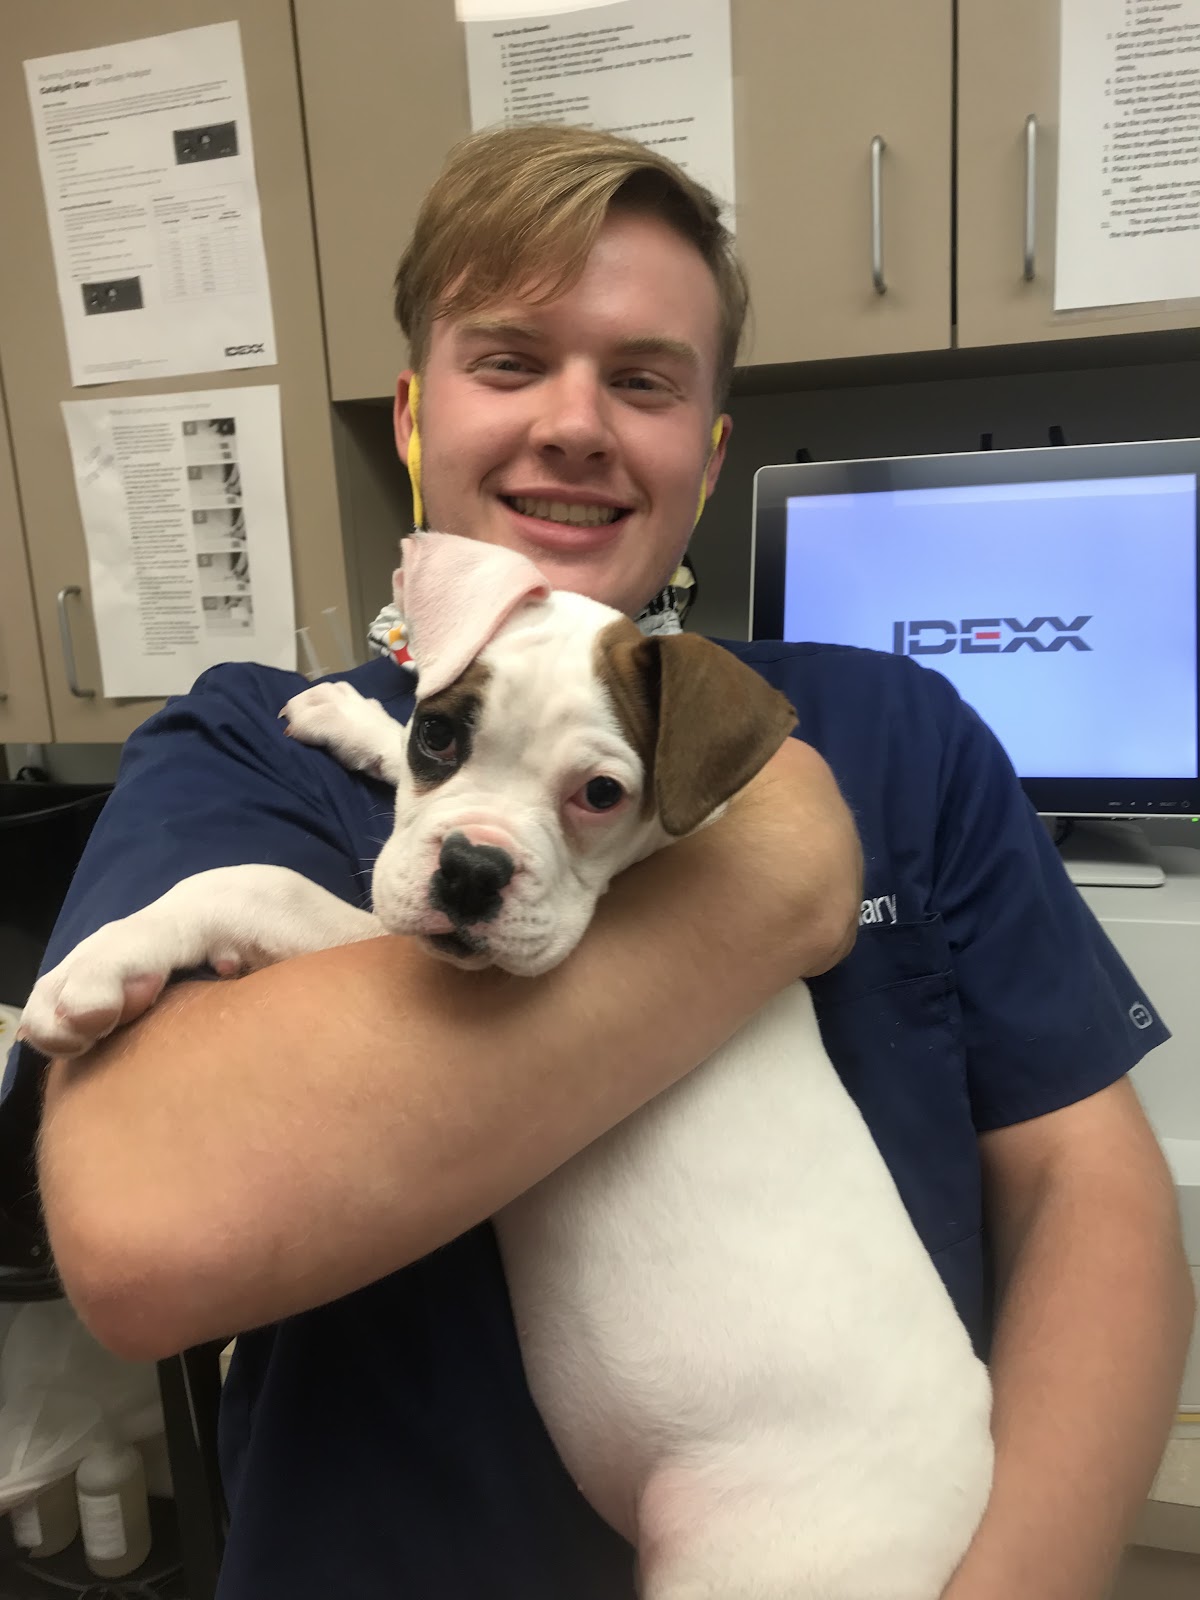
[(287, 1153)]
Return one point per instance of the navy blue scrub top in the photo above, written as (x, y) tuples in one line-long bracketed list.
[(385, 1445)]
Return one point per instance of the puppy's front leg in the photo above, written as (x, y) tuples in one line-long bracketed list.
[(233, 919), (358, 731)]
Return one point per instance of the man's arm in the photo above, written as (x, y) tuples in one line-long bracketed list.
[(251, 1149), (1096, 1309)]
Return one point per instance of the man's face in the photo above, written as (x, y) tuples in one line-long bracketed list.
[(578, 432)]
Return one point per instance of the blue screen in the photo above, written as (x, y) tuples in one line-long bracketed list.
[(1064, 612)]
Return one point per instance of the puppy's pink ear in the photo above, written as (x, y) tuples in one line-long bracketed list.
[(454, 595)]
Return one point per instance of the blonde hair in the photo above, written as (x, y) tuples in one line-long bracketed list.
[(520, 209)]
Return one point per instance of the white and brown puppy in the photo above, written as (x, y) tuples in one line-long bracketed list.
[(739, 1345)]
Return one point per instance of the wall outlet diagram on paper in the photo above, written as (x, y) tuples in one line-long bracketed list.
[(147, 167)]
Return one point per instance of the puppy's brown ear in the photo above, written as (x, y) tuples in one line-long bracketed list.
[(702, 722), (719, 724)]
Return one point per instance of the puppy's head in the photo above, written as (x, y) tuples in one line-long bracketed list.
[(569, 747)]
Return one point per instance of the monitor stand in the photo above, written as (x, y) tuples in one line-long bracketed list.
[(1097, 851)]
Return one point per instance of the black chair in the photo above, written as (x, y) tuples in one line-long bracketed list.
[(43, 829)]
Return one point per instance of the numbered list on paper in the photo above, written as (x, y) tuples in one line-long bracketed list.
[(1129, 152), (657, 71)]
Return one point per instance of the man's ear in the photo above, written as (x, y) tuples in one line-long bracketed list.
[(719, 724), (402, 419), (716, 460)]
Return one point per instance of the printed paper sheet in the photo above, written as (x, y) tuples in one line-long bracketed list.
[(147, 166), (658, 71), (185, 515), (1129, 153)]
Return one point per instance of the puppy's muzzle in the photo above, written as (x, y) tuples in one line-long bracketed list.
[(470, 881)]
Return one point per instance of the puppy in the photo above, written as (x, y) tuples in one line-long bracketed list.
[(739, 1345)]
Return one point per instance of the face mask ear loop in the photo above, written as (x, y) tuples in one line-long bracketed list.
[(716, 439), (414, 454)]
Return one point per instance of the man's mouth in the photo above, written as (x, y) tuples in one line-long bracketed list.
[(571, 513)]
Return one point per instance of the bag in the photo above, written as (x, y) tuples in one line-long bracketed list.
[(43, 829), (60, 1393)]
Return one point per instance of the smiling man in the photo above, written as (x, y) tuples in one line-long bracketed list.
[(311, 1153), (571, 369)]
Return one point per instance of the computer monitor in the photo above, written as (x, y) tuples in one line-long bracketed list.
[(1058, 589)]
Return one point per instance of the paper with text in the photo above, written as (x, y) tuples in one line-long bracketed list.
[(148, 173), (185, 516), (658, 71), (1129, 153)]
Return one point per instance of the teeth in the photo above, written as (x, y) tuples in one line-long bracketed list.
[(563, 511)]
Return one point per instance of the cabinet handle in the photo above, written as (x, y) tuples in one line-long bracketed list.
[(877, 277), (68, 647), (1031, 131)]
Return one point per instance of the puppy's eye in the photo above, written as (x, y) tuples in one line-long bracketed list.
[(601, 794), (436, 738)]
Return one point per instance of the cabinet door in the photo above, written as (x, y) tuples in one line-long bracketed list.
[(814, 85), (385, 93), (1008, 70), (385, 96), (24, 710), (35, 356)]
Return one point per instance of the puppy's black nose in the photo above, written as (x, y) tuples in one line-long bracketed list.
[(470, 880)]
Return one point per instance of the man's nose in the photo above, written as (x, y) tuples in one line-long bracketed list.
[(470, 881), (574, 425)]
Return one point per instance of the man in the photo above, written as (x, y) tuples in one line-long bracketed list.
[(287, 1154)]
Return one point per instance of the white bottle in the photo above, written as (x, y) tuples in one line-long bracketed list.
[(114, 1512), (47, 1524)]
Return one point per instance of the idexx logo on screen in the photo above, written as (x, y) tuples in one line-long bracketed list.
[(987, 636)]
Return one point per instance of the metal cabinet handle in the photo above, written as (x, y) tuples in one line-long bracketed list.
[(68, 647), (877, 148), (1031, 132)]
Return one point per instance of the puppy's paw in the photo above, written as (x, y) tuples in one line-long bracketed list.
[(323, 714), (357, 731), (97, 988)]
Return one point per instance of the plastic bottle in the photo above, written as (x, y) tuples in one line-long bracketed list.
[(47, 1523), (114, 1511)]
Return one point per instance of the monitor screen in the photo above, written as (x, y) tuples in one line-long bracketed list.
[(1060, 601)]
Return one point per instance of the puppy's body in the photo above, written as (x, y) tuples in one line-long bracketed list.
[(742, 1350), (739, 1346)]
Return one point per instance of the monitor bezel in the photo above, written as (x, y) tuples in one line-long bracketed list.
[(774, 486)]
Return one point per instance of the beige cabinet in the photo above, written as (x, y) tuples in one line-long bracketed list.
[(24, 709), (1008, 75), (34, 357), (815, 87)]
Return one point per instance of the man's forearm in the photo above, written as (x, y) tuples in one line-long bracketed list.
[(251, 1149), (1091, 1340)]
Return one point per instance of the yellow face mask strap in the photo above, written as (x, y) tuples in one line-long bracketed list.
[(716, 439), (414, 454)]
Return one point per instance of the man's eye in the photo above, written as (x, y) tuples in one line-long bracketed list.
[(643, 383), (436, 738)]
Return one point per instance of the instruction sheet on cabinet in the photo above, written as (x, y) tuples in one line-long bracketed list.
[(1129, 153), (658, 71), (147, 168), (185, 515)]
